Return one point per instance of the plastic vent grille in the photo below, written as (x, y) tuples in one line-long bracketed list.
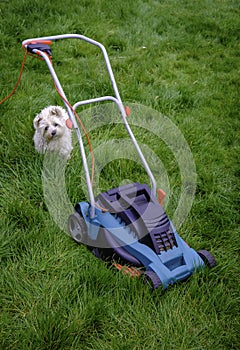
[(165, 240)]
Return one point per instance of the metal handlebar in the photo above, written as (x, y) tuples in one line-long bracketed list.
[(38, 46)]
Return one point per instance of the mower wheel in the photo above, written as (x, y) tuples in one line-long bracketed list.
[(77, 228), (207, 257), (152, 279)]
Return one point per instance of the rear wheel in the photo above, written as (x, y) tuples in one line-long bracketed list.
[(207, 257), (152, 279), (77, 228)]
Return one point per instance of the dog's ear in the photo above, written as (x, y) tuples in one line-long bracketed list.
[(36, 121), (56, 111)]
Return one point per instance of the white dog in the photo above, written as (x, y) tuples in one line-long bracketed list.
[(51, 131)]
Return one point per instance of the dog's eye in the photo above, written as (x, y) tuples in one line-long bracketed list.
[(55, 124), (46, 128)]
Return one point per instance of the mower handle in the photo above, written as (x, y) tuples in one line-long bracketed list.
[(43, 41)]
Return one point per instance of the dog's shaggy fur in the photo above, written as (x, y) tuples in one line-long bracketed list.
[(51, 131)]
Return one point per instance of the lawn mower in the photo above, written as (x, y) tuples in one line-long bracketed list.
[(127, 225)]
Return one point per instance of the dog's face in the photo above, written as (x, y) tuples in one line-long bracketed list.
[(50, 123)]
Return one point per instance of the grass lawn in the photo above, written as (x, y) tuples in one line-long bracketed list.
[(179, 59)]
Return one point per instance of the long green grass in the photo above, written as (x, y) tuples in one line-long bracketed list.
[(180, 58)]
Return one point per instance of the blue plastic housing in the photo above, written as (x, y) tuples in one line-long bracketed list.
[(137, 230)]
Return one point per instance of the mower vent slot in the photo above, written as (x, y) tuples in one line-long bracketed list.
[(157, 222), (165, 240)]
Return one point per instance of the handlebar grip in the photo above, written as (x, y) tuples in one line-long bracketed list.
[(39, 46)]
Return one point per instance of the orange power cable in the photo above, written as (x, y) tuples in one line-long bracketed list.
[(19, 79)]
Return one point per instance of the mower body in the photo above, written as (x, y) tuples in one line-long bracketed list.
[(135, 230)]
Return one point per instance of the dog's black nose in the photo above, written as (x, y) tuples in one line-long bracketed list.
[(54, 132)]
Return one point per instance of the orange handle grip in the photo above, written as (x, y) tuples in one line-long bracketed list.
[(46, 42)]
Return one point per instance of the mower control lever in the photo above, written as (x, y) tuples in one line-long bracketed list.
[(41, 47)]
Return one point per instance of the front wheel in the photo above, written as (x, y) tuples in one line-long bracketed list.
[(77, 228), (152, 279), (207, 257)]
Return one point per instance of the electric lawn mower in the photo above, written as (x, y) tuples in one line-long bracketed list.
[(126, 225)]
